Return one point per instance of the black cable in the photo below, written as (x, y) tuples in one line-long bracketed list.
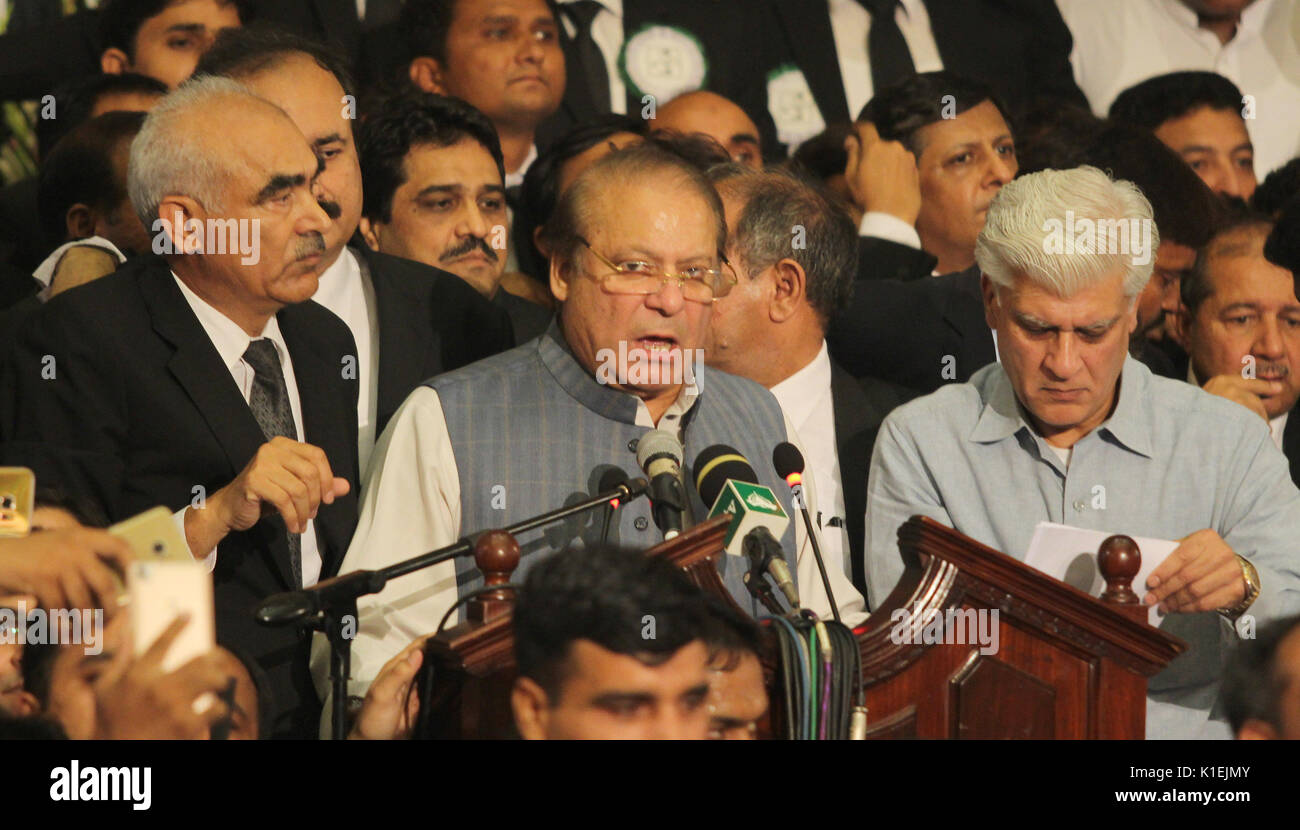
[(476, 592)]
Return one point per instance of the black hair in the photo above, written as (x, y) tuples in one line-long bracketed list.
[(900, 111), (1254, 682), (80, 170), (120, 20), (426, 24), (1283, 245), (618, 598), (731, 634), (1052, 134), (1166, 97), (823, 156), (243, 53), (541, 185), (1185, 210), (696, 149), (1278, 188), (1195, 287), (75, 100), (407, 119)]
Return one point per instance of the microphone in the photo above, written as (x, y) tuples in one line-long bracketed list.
[(726, 479), (612, 479), (788, 462), (660, 455)]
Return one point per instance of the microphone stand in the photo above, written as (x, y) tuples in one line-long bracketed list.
[(330, 607)]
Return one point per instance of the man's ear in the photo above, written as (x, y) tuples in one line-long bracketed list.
[(790, 290), (79, 222), (559, 284), (174, 213), (114, 62), (369, 232), (539, 237), (1256, 730), (426, 73), (991, 307), (531, 707)]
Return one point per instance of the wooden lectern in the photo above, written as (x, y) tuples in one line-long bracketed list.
[(1068, 665)]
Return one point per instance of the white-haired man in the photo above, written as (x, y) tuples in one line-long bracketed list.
[(1067, 412), (205, 379)]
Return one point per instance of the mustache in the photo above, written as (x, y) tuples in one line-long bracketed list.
[(468, 246), (332, 209), (1264, 367), (309, 244)]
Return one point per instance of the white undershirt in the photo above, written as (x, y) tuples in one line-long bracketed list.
[(607, 31), (806, 399), (851, 24), (231, 342), (345, 291)]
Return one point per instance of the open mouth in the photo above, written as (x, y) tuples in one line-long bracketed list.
[(656, 345)]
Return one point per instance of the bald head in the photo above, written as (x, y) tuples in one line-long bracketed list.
[(717, 117)]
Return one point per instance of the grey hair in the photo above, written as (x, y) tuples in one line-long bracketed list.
[(168, 156), (785, 217), (1034, 225)]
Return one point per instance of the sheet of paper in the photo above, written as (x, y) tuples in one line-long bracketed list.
[(1070, 555)]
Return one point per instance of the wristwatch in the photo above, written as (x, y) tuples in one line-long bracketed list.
[(1251, 577)]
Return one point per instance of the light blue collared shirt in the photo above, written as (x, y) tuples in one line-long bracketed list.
[(1171, 459)]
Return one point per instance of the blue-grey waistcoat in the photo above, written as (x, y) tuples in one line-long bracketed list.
[(532, 430)]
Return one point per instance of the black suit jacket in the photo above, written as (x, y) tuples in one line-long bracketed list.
[(919, 334), (859, 407), (729, 32), (430, 322), (1021, 48), (1291, 444), (140, 411)]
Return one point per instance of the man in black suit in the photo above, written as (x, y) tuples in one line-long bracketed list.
[(410, 321), (848, 50), (1240, 322), (771, 329), (207, 381), (618, 51)]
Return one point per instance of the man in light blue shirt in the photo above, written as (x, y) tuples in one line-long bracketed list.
[(1067, 428)]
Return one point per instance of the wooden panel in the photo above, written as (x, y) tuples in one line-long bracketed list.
[(991, 699)]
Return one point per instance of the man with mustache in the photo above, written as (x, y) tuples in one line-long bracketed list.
[(206, 380), (635, 245), (434, 184), (1242, 328), (410, 322)]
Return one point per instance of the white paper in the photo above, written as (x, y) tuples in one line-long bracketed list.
[(1070, 554)]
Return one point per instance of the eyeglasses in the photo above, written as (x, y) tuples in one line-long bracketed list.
[(698, 283)]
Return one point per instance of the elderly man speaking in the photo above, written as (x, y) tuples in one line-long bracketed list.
[(1067, 411), (636, 264)]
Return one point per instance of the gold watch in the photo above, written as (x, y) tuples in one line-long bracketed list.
[(1251, 577)]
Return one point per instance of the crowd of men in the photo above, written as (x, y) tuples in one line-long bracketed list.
[(340, 283)]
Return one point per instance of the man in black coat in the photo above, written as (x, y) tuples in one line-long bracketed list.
[(410, 321), (206, 381)]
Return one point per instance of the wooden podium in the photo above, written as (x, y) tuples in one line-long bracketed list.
[(1068, 665)]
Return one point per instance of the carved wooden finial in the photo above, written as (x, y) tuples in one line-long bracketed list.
[(1119, 560), (496, 553)]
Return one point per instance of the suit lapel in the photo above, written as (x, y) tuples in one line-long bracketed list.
[(853, 416), (964, 312), (404, 340), (198, 368), (807, 35)]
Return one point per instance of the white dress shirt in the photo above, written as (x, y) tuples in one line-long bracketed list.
[(411, 505), (851, 24), (1118, 43), (516, 179), (231, 342), (607, 31), (806, 399), (345, 291)]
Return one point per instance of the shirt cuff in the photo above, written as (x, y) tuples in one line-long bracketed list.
[(890, 227), (208, 562)]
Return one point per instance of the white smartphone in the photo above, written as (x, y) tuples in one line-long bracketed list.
[(154, 536), (161, 591)]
